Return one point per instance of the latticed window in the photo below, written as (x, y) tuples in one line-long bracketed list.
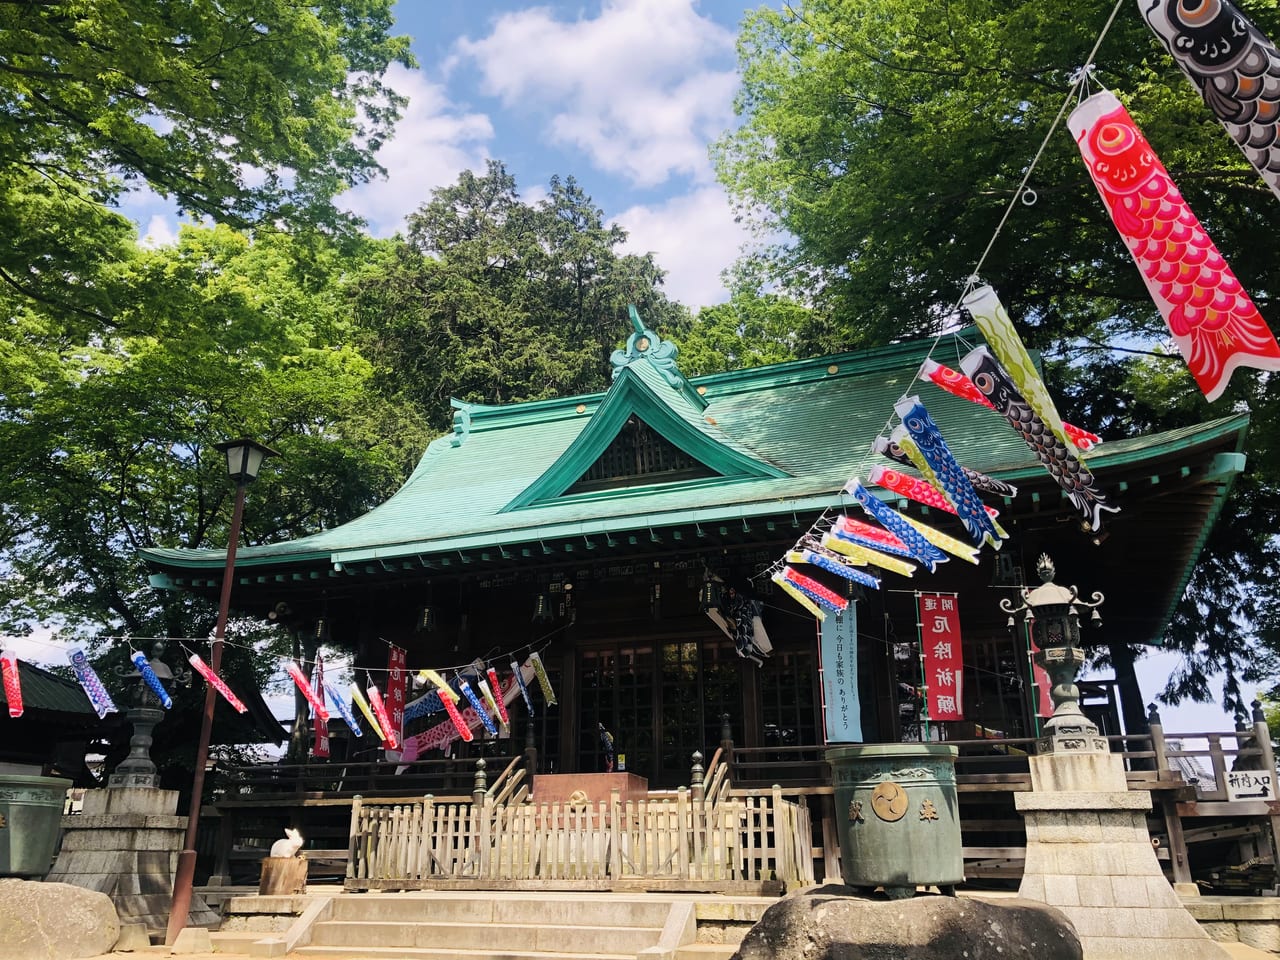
[(639, 454)]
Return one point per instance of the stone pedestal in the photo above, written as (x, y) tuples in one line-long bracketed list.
[(1089, 855), (125, 844)]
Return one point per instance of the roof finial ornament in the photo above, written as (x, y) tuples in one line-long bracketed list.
[(646, 344)]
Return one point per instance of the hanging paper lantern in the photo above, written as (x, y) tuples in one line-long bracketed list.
[(478, 706), (925, 552), (941, 469), (215, 681), (864, 534), (496, 688), (955, 382), (303, 684), (913, 488), (980, 481), (1214, 323), (340, 704), (820, 594), (857, 553), (796, 594), (957, 548), (12, 682), (486, 692), (390, 736), (524, 687), (358, 699), (150, 679), (1235, 68), (543, 680), (1076, 481), (824, 561), (439, 682)]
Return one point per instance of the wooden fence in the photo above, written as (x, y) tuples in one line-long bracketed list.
[(743, 843)]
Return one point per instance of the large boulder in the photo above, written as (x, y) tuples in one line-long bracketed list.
[(54, 921), (831, 923)]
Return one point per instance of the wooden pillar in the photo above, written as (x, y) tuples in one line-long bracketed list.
[(568, 701), (1168, 807), (1262, 734)]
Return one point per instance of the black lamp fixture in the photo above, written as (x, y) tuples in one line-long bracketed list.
[(244, 459)]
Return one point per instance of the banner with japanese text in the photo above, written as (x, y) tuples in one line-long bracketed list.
[(842, 713), (320, 742), (396, 677), (943, 659)]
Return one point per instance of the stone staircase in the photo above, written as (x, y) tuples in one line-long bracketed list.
[(491, 925)]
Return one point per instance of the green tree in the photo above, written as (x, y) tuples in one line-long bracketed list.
[(246, 111), (749, 331), (109, 444), (492, 299), (885, 142)]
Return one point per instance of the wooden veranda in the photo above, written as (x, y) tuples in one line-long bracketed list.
[(758, 817)]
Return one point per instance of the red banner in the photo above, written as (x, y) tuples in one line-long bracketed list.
[(1040, 678), (943, 659), (319, 742), (396, 677)]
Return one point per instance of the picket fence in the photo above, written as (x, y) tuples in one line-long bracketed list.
[(729, 843)]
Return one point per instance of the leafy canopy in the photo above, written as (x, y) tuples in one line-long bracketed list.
[(493, 299), (246, 111)]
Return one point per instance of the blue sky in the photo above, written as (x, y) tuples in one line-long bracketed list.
[(623, 95)]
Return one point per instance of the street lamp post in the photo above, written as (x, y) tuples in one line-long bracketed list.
[(244, 458), (1053, 613)]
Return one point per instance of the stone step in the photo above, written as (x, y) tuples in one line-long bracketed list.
[(706, 951), (528, 909), (237, 941), (578, 939), (419, 953)]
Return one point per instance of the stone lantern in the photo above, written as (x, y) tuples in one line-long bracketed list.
[(1053, 614), (145, 711)]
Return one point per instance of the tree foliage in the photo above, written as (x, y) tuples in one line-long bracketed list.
[(749, 331), (109, 443), (491, 299), (885, 142), (246, 111)]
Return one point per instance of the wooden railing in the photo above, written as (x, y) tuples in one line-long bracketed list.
[(738, 843), (272, 782)]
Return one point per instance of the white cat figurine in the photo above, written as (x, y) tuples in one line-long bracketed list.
[(289, 846)]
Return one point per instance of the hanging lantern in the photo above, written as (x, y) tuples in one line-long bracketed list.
[(321, 632), (542, 609), (709, 594), (426, 622)]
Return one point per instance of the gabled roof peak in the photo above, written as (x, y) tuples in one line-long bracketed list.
[(645, 344)]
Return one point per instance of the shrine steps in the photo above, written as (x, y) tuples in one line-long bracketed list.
[(506, 925)]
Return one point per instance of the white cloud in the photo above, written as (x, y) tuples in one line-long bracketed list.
[(38, 647), (160, 232), (642, 88), (693, 237), (433, 143)]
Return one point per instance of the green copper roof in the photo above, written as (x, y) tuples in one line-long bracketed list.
[(783, 438), (42, 690)]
